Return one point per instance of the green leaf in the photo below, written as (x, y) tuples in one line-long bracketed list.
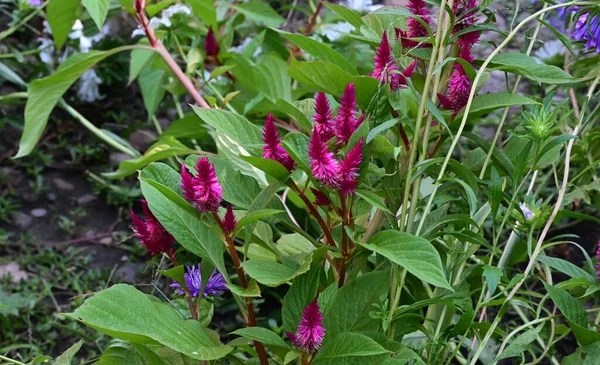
[(263, 335), (153, 9), (188, 127), (163, 148), (220, 71), (527, 66), (492, 275), (124, 312), (232, 125), (260, 12), (349, 15), (270, 167), (520, 344), (45, 93), (330, 78), (485, 103), (124, 353), (206, 10), (179, 217), (272, 273), (350, 310), (373, 199), (297, 146), (256, 216), (66, 357), (268, 76), (151, 81), (349, 344), (381, 128), (565, 267), (415, 254), (296, 114), (320, 51), (586, 355), (302, 292), (176, 273), (98, 9), (140, 58), (252, 291), (9, 75), (61, 15)]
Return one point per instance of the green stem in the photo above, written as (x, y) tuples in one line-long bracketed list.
[(14, 28), (98, 132), (395, 300), (11, 361), (156, 123)]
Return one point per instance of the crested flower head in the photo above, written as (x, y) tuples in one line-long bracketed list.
[(310, 332), (587, 28), (324, 166), (216, 284), (229, 221), (321, 199), (345, 120), (399, 80), (349, 169), (211, 45), (465, 13), (151, 233), (459, 87), (415, 29), (203, 190), (384, 61), (272, 149), (323, 123)]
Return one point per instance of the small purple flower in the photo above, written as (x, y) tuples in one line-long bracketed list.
[(587, 28), (464, 11), (35, 2), (151, 233), (203, 190), (310, 332), (272, 150), (399, 80), (193, 281), (526, 211)]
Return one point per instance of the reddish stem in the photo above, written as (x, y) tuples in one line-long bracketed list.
[(313, 211), (313, 19), (344, 214), (191, 305)]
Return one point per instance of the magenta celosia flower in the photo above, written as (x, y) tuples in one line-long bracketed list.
[(211, 45), (598, 261), (310, 332), (414, 28), (398, 80), (324, 166), (151, 233), (459, 87), (465, 14), (229, 221), (321, 199), (345, 120), (323, 123), (272, 149), (349, 169), (216, 284), (384, 60), (203, 190)]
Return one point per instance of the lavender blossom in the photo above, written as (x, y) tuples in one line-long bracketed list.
[(216, 284), (526, 211), (587, 29), (310, 332)]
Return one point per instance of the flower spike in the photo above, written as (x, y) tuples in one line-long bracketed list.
[(323, 123), (349, 169), (310, 332), (384, 61), (203, 190), (272, 149), (211, 45), (229, 221), (151, 233), (459, 87), (345, 120), (321, 199), (324, 166), (399, 81)]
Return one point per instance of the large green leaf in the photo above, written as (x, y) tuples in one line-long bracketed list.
[(297, 146), (330, 78), (151, 81), (303, 291), (119, 352), (138, 61), (66, 357), (520, 344), (350, 311), (61, 15), (273, 273), (124, 312), (585, 355), (45, 93), (232, 125), (416, 254), (263, 335), (349, 15), (179, 217), (349, 344), (98, 9), (164, 148), (320, 51), (260, 12), (527, 66), (188, 127), (268, 77), (566, 267), (206, 10), (486, 103)]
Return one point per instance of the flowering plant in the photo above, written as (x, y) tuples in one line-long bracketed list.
[(341, 198)]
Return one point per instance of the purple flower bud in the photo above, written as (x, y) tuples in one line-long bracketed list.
[(211, 45), (216, 284), (310, 332), (140, 5), (272, 149), (203, 190), (459, 87), (349, 169), (35, 2), (151, 233), (229, 222), (345, 120), (321, 199), (324, 166), (526, 211), (323, 123)]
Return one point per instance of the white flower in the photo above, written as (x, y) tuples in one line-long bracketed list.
[(362, 5), (47, 49), (240, 48), (335, 31), (164, 18), (549, 50), (88, 86)]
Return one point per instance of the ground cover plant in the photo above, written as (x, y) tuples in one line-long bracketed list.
[(322, 185)]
